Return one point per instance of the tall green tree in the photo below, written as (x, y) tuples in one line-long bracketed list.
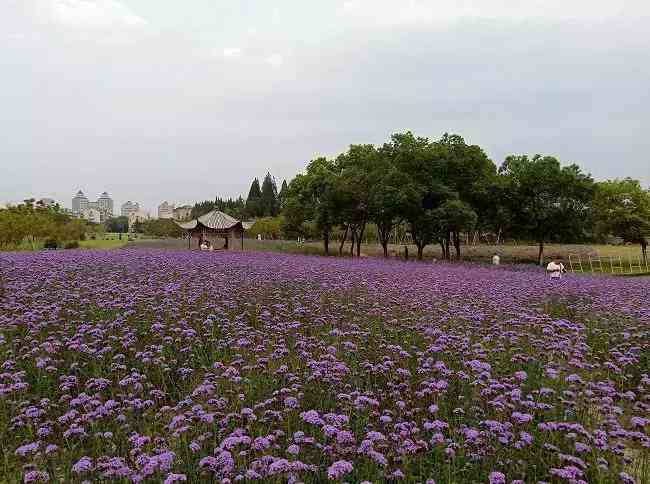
[(269, 197), (547, 201), (254, 200), (312, 197), (357, 171), (423, 164), (424, 218), (282, 194), (390, 199), (452, 218), (201, 208), (235, 207), (469, 172), (622, 208)]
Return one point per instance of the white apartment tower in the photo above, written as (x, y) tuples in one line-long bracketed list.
[(128, 208), (165, 210), (79, 204), (92, 215), (105, 205)]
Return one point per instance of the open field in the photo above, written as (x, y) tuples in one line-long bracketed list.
[(181, 366), (509, 253), (102, 244)]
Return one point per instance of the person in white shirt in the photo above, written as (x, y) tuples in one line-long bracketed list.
[(496, 260), (555, 268)]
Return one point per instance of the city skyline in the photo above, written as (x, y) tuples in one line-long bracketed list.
[(118, 206), (65, 201)]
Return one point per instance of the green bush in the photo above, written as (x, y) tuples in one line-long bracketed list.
[(72, 245), (267, 227), (51, 244)]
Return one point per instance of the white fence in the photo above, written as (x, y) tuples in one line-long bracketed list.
[(631, 264)]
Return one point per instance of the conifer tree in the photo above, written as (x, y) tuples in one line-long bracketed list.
[(254, 200), (269, 199)]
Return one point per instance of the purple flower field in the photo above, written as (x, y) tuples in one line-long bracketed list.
[(162, 366)]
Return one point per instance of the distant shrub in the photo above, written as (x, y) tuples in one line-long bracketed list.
[(72, 245), (51, 244)]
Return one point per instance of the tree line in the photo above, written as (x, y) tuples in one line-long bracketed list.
[(33, 223), (444, 188), (263, 200)]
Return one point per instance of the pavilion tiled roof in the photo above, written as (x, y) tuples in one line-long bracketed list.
[(213, 220), (218, 220)]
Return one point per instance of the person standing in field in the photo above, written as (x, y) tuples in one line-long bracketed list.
[(555, 268)]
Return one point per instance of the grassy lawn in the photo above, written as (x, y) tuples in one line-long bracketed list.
[(102, 244), (510, 254), (603, 257)]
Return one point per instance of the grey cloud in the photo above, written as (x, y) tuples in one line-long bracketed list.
[(160, 114)]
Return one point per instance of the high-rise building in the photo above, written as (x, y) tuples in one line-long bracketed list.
[(92, 215), (128, 208), (166, 210), (79, 203), (105, 205), (139, 216), (47, 202), (183, 212)]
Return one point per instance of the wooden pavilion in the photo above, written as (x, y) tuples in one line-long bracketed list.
[(221, 230)]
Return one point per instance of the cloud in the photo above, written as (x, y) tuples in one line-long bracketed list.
[(275, 16), (88, 14), (232, 52), (275, 60), (388, 12)]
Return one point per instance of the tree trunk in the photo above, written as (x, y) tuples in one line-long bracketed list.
[(406, 252), (456, 237), (326, 242), (540, 256), (345, 237), (384, 245), (361, 230), (420, 251), (448, 246), (353, 234), (384, 237), (644, 251)]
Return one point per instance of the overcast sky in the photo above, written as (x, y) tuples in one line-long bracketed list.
[(158, 100)]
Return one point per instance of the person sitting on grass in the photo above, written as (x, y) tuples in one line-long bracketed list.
[(555, 268)]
